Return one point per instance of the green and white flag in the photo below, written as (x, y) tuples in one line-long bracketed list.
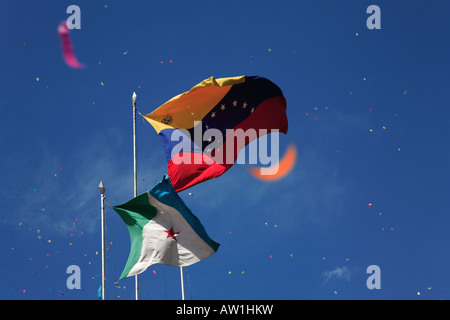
[(163, 230)]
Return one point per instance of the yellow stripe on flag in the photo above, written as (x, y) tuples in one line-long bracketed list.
[(181, 111)]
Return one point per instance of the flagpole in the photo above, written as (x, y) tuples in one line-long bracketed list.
[(133, 99), (102, 199), (182, 283)]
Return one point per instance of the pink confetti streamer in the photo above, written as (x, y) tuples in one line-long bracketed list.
[(67, 48)]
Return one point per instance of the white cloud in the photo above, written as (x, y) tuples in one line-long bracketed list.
[(43, 195), (337, 273)]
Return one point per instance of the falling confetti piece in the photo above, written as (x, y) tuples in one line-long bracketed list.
[(67, 48), (370, 205), (405, 92), (37, 78), (154, 271), (102, 83), (270, 50)]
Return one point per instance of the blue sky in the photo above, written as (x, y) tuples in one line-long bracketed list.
[(311, 235)]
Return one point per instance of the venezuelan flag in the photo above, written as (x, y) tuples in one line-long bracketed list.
[(244, 102)]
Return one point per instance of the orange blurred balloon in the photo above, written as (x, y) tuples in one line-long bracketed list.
[(286, 165)]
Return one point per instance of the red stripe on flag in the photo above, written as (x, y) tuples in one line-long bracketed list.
[(270, 115)]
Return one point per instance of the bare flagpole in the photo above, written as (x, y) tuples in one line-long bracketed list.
[(102, 199), (133, 99), (182, 283)]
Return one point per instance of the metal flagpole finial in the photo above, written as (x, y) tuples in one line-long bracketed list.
[(133, 99), (101, 188)]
